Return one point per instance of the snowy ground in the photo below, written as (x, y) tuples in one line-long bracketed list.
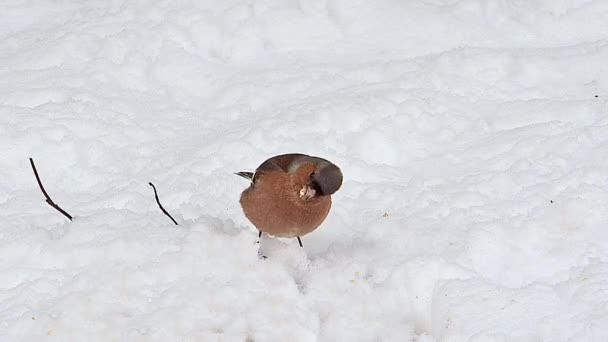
[(473, 136)]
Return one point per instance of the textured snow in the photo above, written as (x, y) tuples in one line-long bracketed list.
[(473, 136)]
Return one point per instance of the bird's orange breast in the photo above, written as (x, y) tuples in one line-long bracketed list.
[(274, 206)]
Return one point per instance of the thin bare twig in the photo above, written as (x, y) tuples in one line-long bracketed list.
[(48, 198), (160, 206)]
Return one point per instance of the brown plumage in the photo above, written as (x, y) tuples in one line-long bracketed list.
[(290, 194)]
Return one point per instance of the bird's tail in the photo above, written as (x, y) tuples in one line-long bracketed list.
[(247, 175)]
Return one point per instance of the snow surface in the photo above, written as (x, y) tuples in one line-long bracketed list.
[(473, 136)]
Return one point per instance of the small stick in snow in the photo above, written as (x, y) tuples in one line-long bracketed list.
[(48, 198), (160, 206)]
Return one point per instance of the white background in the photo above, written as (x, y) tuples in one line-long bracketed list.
[(456, 123)]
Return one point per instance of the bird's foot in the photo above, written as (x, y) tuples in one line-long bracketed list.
[(262, 256)]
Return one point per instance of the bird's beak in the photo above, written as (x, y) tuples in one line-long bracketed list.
[(307, 192)]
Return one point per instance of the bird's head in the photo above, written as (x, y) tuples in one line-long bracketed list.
[(318, 177)]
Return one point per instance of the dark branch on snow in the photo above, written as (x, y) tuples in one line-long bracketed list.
[(160, 205), (48, 198)]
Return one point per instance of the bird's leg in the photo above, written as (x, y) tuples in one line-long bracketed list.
[(260, 254), (300, 242)]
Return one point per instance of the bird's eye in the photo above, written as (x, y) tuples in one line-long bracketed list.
[(312, 174)]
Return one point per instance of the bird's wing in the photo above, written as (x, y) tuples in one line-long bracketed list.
[(282, 162)]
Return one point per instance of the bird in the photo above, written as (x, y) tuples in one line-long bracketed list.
[(290, 194)]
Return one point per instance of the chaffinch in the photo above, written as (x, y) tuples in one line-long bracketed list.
[(290, 194)]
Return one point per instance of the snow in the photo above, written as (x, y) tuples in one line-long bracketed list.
[(472, 134)]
